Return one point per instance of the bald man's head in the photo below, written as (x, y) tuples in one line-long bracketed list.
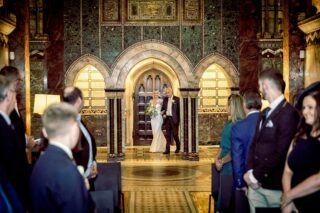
[(71, 94), (169, 92)]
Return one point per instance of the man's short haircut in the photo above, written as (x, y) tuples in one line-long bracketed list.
[(4, 87), (275, 77), (10, 72), (71, 94), (56, 119), (252, 100)]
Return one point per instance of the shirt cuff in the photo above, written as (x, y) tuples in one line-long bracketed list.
[(251, 176)]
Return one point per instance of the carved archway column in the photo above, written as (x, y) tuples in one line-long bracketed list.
[(115, 123), (189, 123), (310, 27)]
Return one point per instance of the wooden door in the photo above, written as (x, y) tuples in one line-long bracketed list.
[(147, 83)]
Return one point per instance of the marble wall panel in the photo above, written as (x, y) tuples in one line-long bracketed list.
[(132, 34), (296, 43), (97, 125), (170, 34), (54, 53), (249, 52), (151, 33), (230, 35), (90, 27), (72, 43), (37, 86), (210, 127), (17, 44), (212, 26), (192, 42), (111, 45)]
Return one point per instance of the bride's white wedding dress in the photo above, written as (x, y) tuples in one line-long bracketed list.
[(159, 141)]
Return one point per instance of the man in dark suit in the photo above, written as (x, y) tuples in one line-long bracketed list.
[(13, 76), (171, 118), (11, 157), (267, 154), (242, 134), (85, 152), (56, 184)]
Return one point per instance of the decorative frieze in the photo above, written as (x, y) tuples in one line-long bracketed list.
[(152, 12)]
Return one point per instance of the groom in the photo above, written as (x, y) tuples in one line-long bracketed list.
[(171, 117)]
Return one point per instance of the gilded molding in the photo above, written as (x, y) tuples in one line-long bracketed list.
[(151, 12), (313, 38), (94, 111), (212, 110)]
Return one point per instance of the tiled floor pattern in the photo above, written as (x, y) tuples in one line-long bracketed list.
[(161, 201), (153, 182)]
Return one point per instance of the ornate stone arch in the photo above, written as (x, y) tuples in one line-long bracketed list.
[(225, 63), (138, 52), (83, 61)]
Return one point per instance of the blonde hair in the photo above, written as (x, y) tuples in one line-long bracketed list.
[(56, 119), (236, 108)]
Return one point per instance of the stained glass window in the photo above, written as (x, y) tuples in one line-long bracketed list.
[(92, 84), (214, 89)]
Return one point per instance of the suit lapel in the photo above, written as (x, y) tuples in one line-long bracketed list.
[(276, 111), (270, 117)]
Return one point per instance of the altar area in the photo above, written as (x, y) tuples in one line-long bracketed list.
[(153, 182)]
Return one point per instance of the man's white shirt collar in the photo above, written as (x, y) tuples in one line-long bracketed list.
[(63, 147), (6, 118), (275, 103)]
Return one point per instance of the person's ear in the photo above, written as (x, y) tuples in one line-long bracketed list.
[(44, 132)]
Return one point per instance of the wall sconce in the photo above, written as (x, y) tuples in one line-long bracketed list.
[(11, 56), (42, 101), (301, 54)]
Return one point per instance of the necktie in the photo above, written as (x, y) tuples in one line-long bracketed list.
[(265, 114)]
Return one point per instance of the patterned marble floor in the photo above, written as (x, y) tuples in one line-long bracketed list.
[(153, 182)]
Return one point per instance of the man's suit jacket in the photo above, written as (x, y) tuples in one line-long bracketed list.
[(175, 110), (12, 161), (81, 155), (242, 134), (57, 186), (267, 153), (9, 158), (19, 128)]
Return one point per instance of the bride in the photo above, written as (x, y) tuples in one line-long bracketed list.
[(159, 141)]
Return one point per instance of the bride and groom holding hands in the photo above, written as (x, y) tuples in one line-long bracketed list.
[(167, 113)]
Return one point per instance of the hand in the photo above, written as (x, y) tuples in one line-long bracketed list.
[(289, 208), (30, 142), (246, 178), (93, 171), (219, 164), (286, 200), (248, 181), (86, 183)]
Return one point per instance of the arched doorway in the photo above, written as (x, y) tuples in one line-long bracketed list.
[(149, 81)]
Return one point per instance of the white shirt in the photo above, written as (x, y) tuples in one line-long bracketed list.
[(87, 136), (6, 118), (275, 103), (169, 107)]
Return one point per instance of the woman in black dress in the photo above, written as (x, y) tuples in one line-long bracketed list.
[(301, 177)]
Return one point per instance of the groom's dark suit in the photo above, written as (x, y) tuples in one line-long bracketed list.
[(172, 121), (267, 153)]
